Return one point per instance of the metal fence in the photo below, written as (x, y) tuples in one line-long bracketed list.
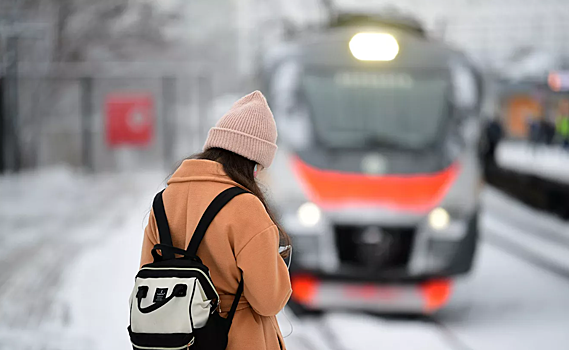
[(65, 119)]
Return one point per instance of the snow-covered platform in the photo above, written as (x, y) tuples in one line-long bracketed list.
[(547, 162), (67, 237), (71, 244)]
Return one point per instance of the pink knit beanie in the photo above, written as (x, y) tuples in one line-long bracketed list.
[(247, 129)]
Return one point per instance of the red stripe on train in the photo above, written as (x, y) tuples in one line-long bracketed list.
[(409, 192)]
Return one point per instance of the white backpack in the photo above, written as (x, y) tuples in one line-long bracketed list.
[(174, 304)]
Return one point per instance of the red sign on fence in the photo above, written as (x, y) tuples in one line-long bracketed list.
[(129, 119)]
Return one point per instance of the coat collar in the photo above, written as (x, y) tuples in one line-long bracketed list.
[(201, 170)]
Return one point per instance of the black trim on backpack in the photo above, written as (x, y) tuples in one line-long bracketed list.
[(169, 249), (192, 298), (149, 340)]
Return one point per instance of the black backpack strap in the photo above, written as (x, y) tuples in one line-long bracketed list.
[(235, 302), (162, 223), (219, 202)]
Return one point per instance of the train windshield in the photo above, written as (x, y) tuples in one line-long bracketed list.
[(363, 110)]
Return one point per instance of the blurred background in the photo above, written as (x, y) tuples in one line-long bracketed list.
[(422, 172)]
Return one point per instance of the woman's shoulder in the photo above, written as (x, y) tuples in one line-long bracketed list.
[(248, 210)]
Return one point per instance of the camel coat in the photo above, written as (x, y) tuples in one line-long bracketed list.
[(241, 241)]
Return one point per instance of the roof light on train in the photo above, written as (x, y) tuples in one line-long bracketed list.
[(374, 46), (439, 219)]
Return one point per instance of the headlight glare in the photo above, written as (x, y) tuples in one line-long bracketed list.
[(439, 219), (309, 214)]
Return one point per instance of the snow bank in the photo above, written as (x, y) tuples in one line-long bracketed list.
[(98, 286), (71, 248), (548, 162)]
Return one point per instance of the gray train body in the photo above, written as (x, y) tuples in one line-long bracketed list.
[(377, 177)]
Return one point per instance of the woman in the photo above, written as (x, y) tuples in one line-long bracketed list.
[(243, 239)]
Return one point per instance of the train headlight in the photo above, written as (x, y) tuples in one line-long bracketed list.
[(439, 219), (374, 47), (309, 214)]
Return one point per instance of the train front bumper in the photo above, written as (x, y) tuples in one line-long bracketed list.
[(342, 263), (413, 298), (379, 250)]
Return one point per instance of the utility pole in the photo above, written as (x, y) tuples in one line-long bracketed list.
[(86, 123), (11, 145), (2, 127), (11, 30), (12, 156)]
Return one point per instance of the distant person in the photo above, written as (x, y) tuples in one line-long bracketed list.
[(534, 127), (562, 124), (546, 131), (493, 134), (242, 242), (563, 130), (541, 131)]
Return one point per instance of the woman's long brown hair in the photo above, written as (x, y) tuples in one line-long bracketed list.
[(241, 170)]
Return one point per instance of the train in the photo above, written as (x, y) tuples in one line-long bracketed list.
[(377, 178)]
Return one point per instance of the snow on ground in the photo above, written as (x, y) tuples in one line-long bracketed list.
[(524, 218), (56, 226), (359, 331), (99, 284), (541, 234), (509, 304), (72, 243), (510, 301)]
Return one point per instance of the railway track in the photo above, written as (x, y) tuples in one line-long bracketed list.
[(317, 332), (521, 252)]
